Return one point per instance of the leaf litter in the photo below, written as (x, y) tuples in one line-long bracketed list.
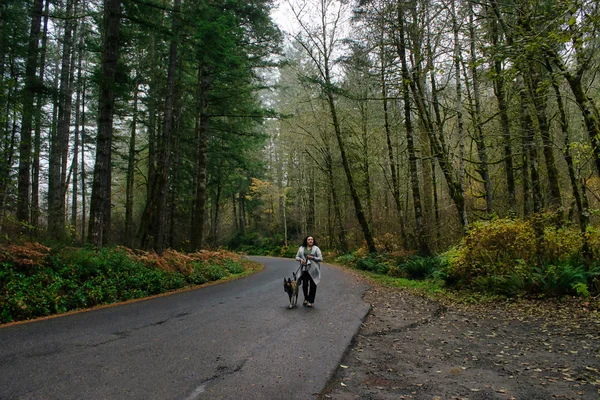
[(411, 347)]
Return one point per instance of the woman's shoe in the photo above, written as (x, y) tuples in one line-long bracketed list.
[(305, 303), (308, 304)]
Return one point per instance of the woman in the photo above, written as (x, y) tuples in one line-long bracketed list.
[(310, 258)]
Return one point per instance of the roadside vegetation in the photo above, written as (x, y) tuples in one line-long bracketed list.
[(497, 259), (500, 258), (503, 258), (38, 281)]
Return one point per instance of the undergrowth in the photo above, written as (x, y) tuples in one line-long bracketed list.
[(499, 258), (38, 281)]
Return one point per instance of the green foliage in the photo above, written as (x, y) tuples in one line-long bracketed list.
[(346, 259), (373, 263), (233, 267), (74, 278), (499, 258), (257, 245), (559, 280), (421, 267), (430, 287), (509, 285)]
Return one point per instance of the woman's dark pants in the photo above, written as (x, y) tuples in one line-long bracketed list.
[(309, 288)]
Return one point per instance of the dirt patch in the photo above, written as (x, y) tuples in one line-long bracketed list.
[(410, 347)]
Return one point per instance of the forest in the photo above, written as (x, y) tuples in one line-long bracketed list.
[(412, 129)]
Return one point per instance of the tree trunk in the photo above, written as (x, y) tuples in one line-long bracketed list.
[(564, 125), (129, 233), (37, 138), (201, 135), (423, 247), (8, 160), (83, 180), (589, 111), (342, 233), (483, 167), (539, 98), (457, 57), (101, 191), (75, 164), (159, 197), (242, 213), (59, 143), (31, 86), (500, 93), (364, 116), (310, 214), (390, 148), (215, 227), (360, 214), (440, 148), (234, 213), (530, 159)]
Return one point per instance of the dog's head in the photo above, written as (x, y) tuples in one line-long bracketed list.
[(287, 285)]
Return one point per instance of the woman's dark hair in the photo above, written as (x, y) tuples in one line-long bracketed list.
[(305, 241)]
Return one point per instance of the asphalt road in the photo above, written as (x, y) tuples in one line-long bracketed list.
[(235, 340)]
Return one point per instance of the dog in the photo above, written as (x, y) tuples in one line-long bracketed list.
[(290, 286)]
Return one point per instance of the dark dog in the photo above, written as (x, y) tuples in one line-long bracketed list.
[(290, 286)]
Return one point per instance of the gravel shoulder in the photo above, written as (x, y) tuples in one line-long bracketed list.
[(410, 347)]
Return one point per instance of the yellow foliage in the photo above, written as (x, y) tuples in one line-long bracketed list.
[(361, 252), (494, 248), (388, 242), (561, 244)]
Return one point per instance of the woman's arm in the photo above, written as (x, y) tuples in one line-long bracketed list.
[(318, 256), (299, 254)]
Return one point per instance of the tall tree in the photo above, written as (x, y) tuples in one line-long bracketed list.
[(155, 212), (319, 43), (100, 208), (407, 82), (31, 87)]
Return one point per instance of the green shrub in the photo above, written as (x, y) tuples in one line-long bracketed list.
[(372, 263), (288, 251), (81, 277), (215, 272), (346, 259), (497, 248), (234, 267), (510, 285), (421, 267), (559, 280)]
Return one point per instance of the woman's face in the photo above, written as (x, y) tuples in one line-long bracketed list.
[(310, 241)]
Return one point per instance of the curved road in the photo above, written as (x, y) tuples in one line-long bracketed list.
[(235, 340)]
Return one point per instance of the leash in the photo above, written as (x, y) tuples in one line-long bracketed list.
[(299, 267)]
